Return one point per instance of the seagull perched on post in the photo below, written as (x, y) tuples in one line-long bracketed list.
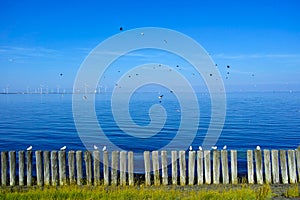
[(95, 147), (214, 147), (200, 148), (257, 147), (104, 148), (191, 148), (29, 148), (63, 148), (225, 147)]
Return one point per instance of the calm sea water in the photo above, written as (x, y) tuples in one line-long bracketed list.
[(271, 120)]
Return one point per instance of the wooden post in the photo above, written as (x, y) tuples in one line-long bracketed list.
[(182, 167), (250, 166), (39, 168), (200, 167), (12, 168), (4, 156), (233, 157), (207, 167), (192, 155), (96, 155), (164, 164), (123, 167), (88, 167), (62, 167), (155, 163), (21, 168), (267, 164), (147, 167), (298, 162), (114, 166), (29, 168), (106, 168), (54, 166), (283, 166), (46, 156), (259, 166), (275, 166), (130, 168), (79, 167), (216, 167), (71, 164), (292, 166), (174, 168), (224, 160)]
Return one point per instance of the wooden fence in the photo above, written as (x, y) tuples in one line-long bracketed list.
[(117, 168)]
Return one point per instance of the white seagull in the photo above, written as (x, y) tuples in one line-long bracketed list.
[(63, 148), (214, 147), (200, 148), (257, 147), (95, 147), (191, 148), (225, 147), (29, 148), (104, 148)]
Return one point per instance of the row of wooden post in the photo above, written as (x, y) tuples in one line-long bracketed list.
[(199, 167), (273, 166), (51, 167)]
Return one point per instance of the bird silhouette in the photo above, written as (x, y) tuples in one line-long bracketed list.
[(104, 148), (63, 148)]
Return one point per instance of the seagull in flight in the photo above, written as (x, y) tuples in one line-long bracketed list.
[(63, 148), (29, 148), (104, 148), (161, 96)]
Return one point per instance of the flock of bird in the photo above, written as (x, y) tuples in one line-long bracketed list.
[(215, 148), (104, 148), (65, 147)]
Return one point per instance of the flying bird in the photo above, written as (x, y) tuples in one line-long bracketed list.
[(61, 74), (29, 148), (121, 28), (161, 96), (104, 148), (63, 148), (228, 66)]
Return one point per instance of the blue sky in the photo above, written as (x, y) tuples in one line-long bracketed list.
[(260, 40)]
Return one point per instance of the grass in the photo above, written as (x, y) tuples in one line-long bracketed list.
[(137, 192), (293, 191)]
